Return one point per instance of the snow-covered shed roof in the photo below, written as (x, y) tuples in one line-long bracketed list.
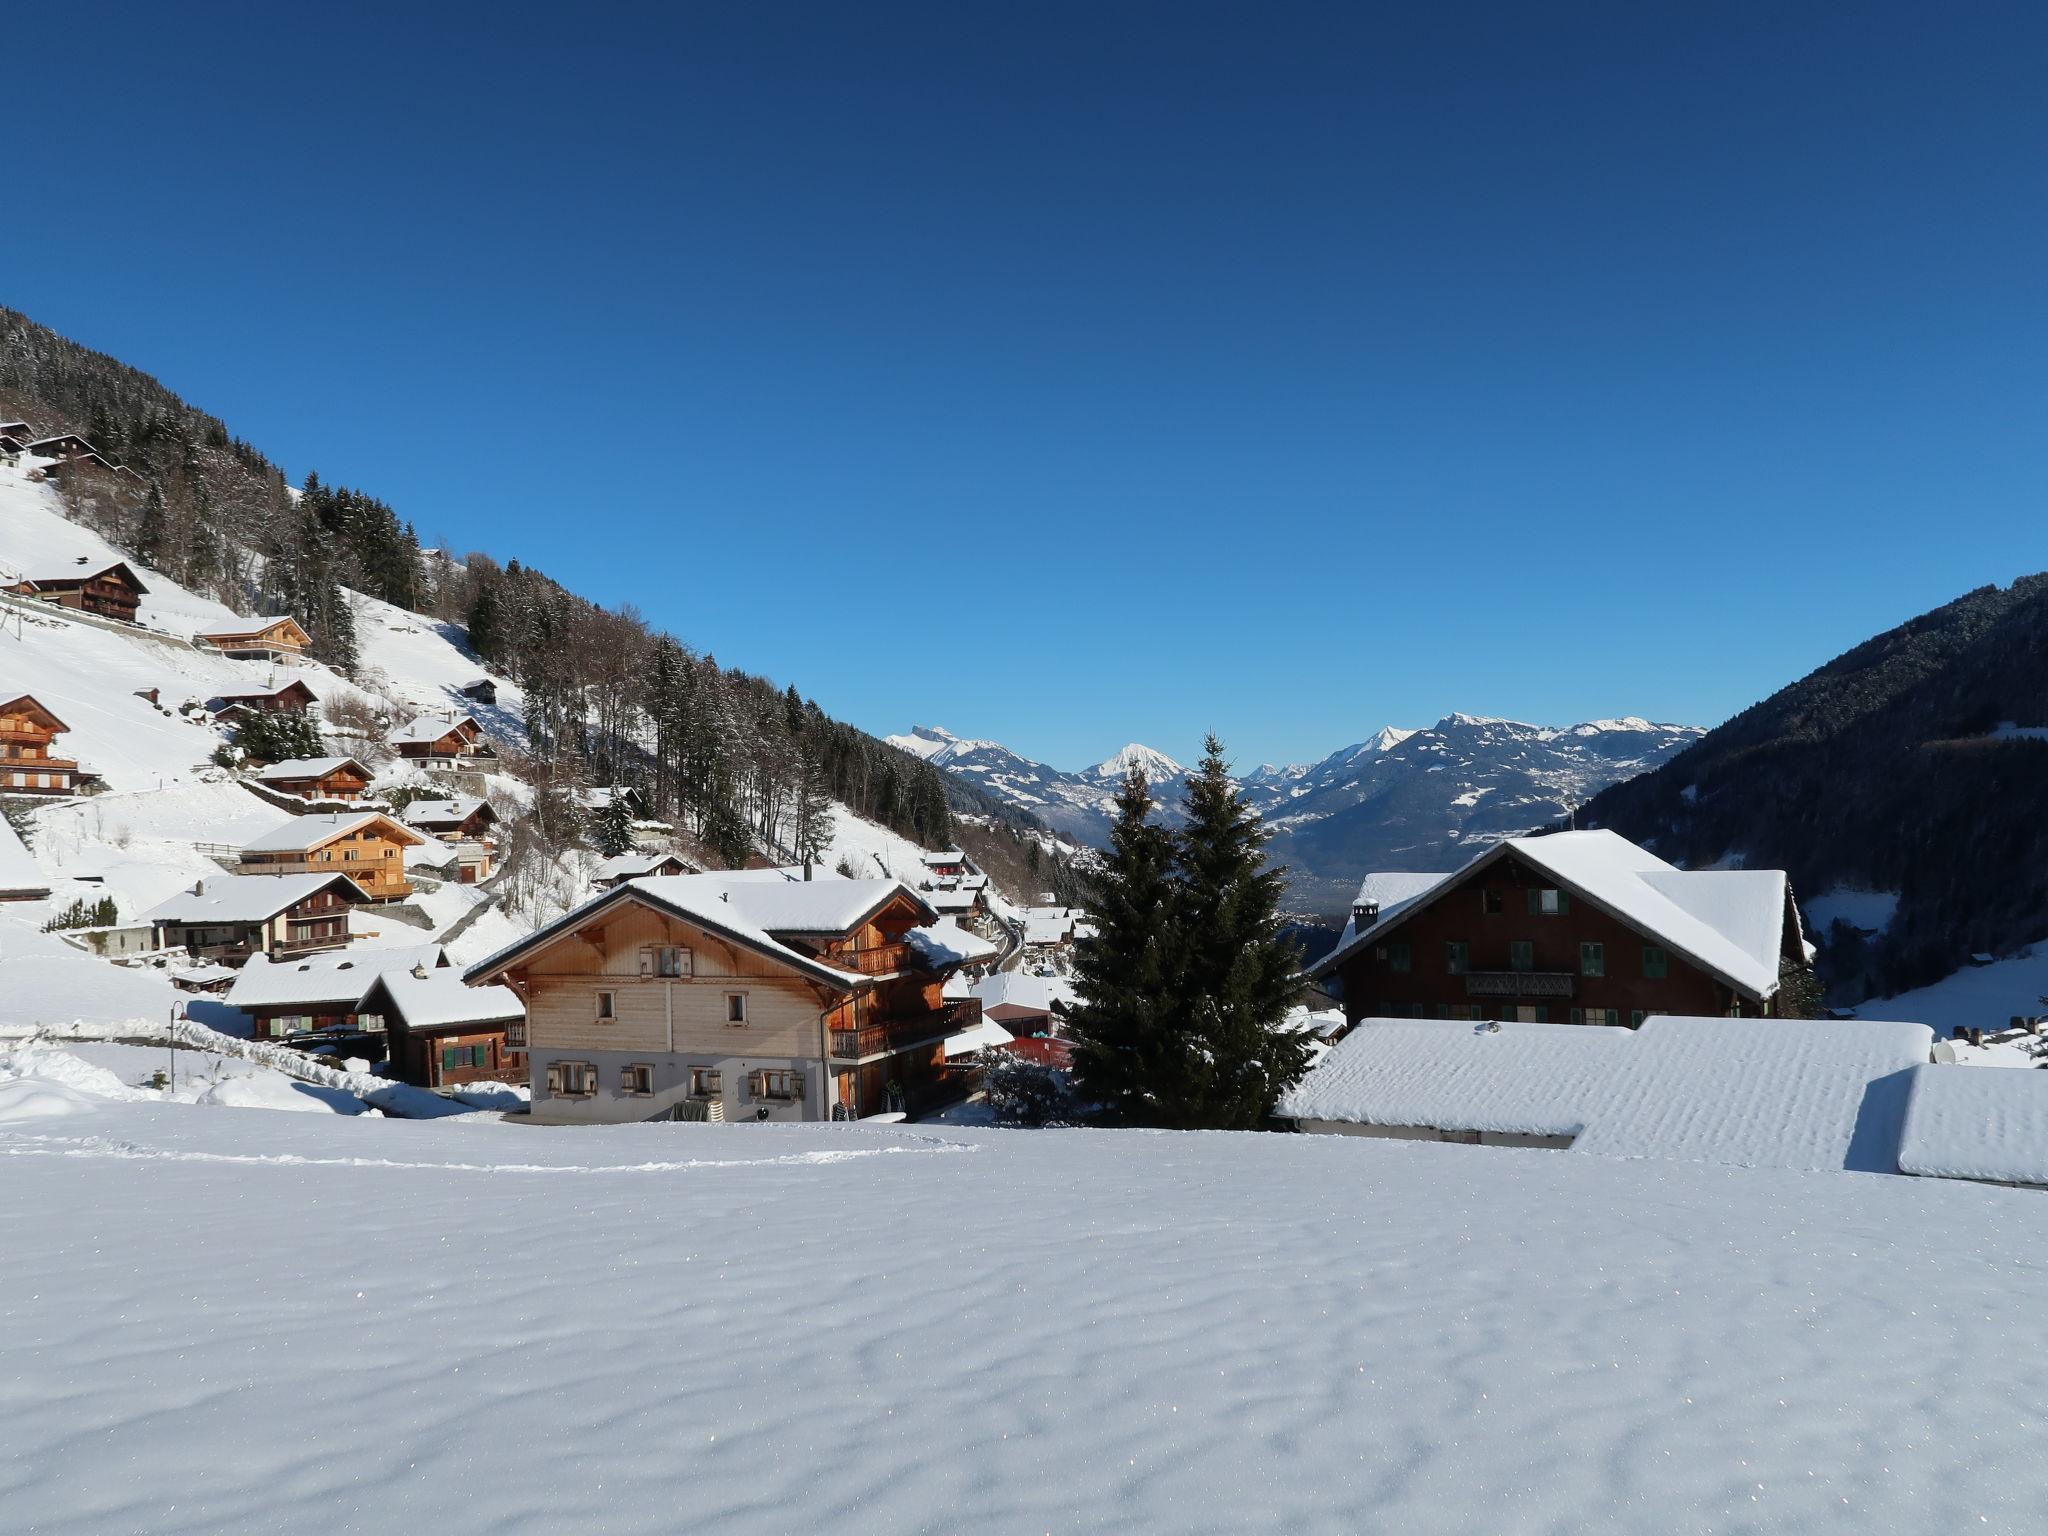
[(309, 768), (431, 728), (972, 1041), (446, 810), (636, 864), (683, 897), (943, 856), (340, 976), (1451, 1075), (297, 833), (1986, 1123), (440, 1000), (243, 898), (954, 899), (1016, 989), (20, 880), (1728, 922), (1041, 929), (945, 943), (242, 629)]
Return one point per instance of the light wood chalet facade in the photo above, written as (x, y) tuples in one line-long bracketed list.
[(27, 731), (367, 846), (110, 589), (294, 696), (277, 637), (733, 997), (1573, 928), (228, 918), (316, 778)]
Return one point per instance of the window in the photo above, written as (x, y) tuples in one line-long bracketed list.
[(515, 1035), (1521, 955), (348, 855), (457, 1058), (706, 1082), (667, 960), (607, 1007), (1526, 1013), (1548, 903), (735, 1008), (1457, 956), (572, 1079), (1656, 964), (1596, 1015), (1490, 902), (1635, 1019), (778, 1085), (1397, 957), (1592, 959), (637, 1081)]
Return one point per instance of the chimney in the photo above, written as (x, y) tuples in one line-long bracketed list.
[(419, 971), (1363, 915)]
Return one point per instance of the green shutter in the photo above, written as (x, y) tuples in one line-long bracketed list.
[(1656, 963), (1535, 902)]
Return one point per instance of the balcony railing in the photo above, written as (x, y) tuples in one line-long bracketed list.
[(901, 1033), (879, 960), (1519, 983)]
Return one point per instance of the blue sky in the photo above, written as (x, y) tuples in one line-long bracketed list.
[(1076, 373)]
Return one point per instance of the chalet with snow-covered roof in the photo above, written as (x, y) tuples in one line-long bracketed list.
[(320, 993), (482, 691), (367, 846), (110, 589), (276, 637), (436, 739), (229, 918), (948, 863), (1573, 928), (80, 463), (621, 867), (14, 439), (730, 996), (441, 1032), (27, 732), (294, 697), (60, 446), (316, 778), (1025, 1004), (462, 825)]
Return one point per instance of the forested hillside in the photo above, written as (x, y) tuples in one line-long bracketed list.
[(740, 763), (1913, 765)]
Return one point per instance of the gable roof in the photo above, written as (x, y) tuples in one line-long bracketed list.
[(310, 768), (243, 629), (1726, 922), (244, 898), (821, 907), (431, 728), (80, 574), (299, 833), (339, 976), (444, 810), (441, 999), (702, 907), (637, 865), (7, 707), (296, 685)]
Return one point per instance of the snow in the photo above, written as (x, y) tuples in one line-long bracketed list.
[(946, 943), (450, 810), (1870, 911), (19, 875), (427, 729), (1047, 927), (338, 976), (1976, 1125), (972, 1042), (1019, 989), (1030, 1331), (441, 999), (1978, 997), (308, 768), (2007, 730), (240, 898), (1157, 767), (44, 980), (296, 833)]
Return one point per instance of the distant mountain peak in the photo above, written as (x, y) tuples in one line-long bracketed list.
[(1156, 765)]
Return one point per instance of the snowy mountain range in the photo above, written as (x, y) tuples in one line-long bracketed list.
[(1399, 799)]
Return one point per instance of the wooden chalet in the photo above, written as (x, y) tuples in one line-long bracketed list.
[(367, 846), (81, 463), (735, 996), (61, 446), (278, 637), (441, 1032), (300, 995), (316, 778), (111, 590), (622, 867), (27, 731), (482, 691), (15, 437), (293, 697), (433, 739), (229, 918), (1573, 928), (462, 824)]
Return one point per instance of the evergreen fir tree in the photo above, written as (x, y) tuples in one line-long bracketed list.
[(152, 530), (612, 827), (1241, 974), (1134, 1057)]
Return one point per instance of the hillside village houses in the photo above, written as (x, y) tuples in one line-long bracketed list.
[(109, 589), (367, 846), (27, 732), (316, 778), (638, 865), (745, 995), (436, 739), (1572, 928), (319, 993), (462, 824), (275, 637), (294, 696), (229, 918)]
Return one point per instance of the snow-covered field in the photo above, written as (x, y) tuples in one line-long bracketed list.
[(1976, 997), (240, 1322)]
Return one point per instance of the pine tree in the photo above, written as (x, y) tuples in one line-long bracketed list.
[(1134, 1057), (1241, 974), (153, 530), (612, 827)]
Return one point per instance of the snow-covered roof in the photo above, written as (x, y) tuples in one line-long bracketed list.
[(340, 976), (1728, 922), (431, 728), (635, 864), (301, 832), (69, 575), (243, 898), (1976, 1123), (443, 1000), (244, 628), (943, 857), (1451, 1075), (19, 877), (1017, 989), (1047, 929), (973, 1041), (687, 897), (946, 943), (309, 768), (789, 906), (947, 899), (448, 810), (1777, 1093)]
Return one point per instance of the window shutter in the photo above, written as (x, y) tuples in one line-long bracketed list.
[(1535, 902), (1564, 902), (646, 959)]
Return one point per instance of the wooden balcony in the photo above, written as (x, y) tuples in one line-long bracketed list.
[(878, 960), (903, 1032), (1519, 983)]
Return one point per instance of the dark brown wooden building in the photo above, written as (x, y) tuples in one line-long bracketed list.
[(294, 695), (441, 1032), (112, 590), (1577, 927), (231, 917)]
